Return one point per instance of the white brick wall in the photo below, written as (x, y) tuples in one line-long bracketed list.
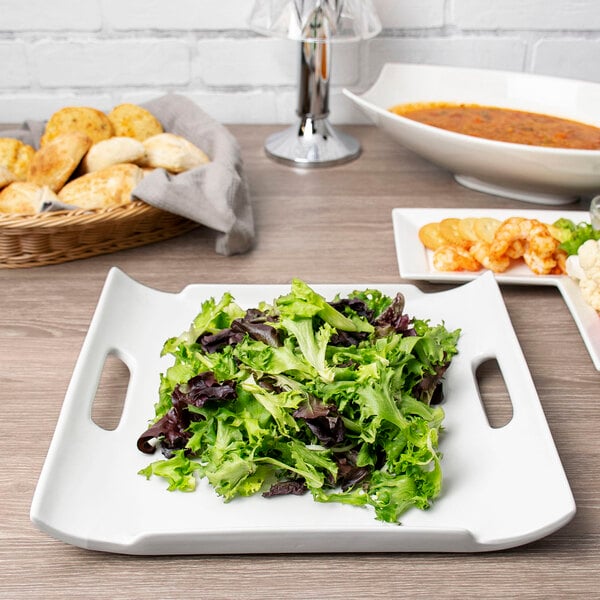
[(101, 52)]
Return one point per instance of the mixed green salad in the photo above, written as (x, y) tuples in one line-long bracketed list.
[(339, 399), (572, 235)]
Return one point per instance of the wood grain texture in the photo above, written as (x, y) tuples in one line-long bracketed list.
[(325, 226)]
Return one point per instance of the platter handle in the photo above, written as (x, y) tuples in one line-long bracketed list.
[(118, 328)]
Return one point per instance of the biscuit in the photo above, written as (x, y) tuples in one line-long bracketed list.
[(133, 121), (172, 153), (466, 227), (21, 197), (485, 228), (111, 186), (112, 152), (431, 236), (450, 230), (15, 155), (54, 163), (94, 123), (6, 177)]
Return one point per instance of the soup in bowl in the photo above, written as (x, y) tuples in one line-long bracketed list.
[(461, 119)]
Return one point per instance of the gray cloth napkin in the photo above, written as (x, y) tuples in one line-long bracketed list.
[(215, 194)]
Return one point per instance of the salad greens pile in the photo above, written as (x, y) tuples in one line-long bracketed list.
[(339, 399), (572, 235)]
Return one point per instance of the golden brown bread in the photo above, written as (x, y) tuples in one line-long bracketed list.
[(91, 160), (55, 162), (16, 156), (21, 197), (133, 121), (111, 186), (94, 123), (173, 153), (6, 177), (113, 151)]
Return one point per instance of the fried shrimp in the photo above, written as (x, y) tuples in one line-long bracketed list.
[(561, 262), (516, 249), (511, 231), (541, 241), (541, 249), (480, 251), (528, 238), (539, 264), (554, 263), (452, 258), (473, 243)]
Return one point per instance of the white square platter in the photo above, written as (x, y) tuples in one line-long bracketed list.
[(415, 261), (502, 487)]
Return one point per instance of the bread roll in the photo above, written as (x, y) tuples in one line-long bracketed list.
[(133, 121), (16, 156), (111, 186), (6, 177), (112, 152), (54, 163), (173, 153), (21, 197), (94, 123)]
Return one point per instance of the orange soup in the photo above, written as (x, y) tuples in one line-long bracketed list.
[(505, 125)]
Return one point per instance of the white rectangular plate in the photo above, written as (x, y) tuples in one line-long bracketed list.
[(415, 261), (89, 493)]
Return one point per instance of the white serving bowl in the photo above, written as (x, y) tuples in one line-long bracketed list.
[(529, 173)]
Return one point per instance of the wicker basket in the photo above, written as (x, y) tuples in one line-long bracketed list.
[(56, 237)]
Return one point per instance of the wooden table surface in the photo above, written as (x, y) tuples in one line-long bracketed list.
[(324, 226)]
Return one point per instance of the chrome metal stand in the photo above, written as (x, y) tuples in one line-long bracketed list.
[(313, 142)]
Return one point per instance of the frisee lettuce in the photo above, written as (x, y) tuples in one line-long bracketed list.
[(573, 235), (305, 395)]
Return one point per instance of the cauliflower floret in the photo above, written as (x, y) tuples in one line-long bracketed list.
[(574, 270), (589, 257), (589, 282)]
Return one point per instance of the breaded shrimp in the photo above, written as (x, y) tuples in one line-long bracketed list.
[(516, 249), (541, 242), (539, 264), (561, 262), (541, 248), (510, 231), (480, 251), (452, 258)]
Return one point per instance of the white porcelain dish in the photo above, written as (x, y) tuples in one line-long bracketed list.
[(529, 173), (89, 493), (415, 261)]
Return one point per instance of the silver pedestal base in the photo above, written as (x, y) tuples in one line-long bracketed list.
[(312, 143)]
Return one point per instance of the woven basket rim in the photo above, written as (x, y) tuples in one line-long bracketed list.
[(61, 236), (60, 218)]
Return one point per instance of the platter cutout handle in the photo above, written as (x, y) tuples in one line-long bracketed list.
[(109, 400), (493, 393)]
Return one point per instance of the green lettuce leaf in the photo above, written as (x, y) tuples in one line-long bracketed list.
[(374, 390)]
